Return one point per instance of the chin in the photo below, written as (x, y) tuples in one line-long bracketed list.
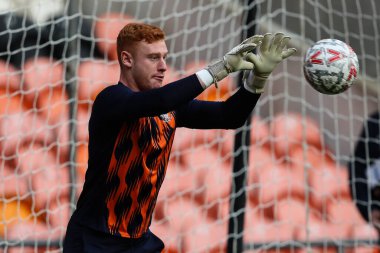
[(156, 85)]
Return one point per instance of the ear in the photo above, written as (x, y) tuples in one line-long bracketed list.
[(126, 59)]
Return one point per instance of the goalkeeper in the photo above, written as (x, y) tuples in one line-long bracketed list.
[(131, 131)]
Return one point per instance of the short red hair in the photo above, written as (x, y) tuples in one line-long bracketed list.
[(135, 32)]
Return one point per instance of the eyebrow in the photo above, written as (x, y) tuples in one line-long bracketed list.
[(157, 54)]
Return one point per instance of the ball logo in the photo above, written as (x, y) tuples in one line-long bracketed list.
[(337, 55)]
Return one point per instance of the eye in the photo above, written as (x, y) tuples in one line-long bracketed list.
[(154, 57)]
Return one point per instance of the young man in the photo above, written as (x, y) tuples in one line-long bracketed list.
[(132, 127)]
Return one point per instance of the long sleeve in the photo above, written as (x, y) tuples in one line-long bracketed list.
[(119, 103)]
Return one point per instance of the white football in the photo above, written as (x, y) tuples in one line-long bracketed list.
[(330, 66)]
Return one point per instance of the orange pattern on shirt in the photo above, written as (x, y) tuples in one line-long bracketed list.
[(136, 172)]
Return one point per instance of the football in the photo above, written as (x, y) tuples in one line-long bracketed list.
[(330, 66)]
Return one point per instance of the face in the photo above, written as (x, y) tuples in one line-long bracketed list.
[(148, 65)]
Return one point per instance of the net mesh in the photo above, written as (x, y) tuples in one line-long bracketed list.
[(298, 189)]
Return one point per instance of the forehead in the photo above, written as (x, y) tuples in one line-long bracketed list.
[(154, 47)]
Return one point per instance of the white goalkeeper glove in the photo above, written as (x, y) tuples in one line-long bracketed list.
[(233, 61), (271, 51)]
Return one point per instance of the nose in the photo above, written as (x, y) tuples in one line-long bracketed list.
[(162, 65)]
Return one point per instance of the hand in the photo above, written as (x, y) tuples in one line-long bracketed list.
[(271, 52), (234, 60)]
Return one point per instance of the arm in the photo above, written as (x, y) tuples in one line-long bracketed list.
[(229, 114), (367, 150), (119, 102)]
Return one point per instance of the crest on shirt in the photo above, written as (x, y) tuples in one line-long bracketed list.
[(166, 117)]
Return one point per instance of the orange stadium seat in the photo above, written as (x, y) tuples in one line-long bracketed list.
[(181, 214), (20, 129), (364, 232), (11, 103), (206, 164), (259, 160), (30, 231), (93, 76), (291, 130), (107, 27), (215, 183), (186, 139), (9, 77), (293, 211), (82, 159), (259, 132), (83, 117), (41, 75), (57, 217), (171, 238), (205, 235), (310, 157), (279, 182), (224, 143), (179, 183), (259, 228), (49, 179), (54, 106), (49, 184), (12, 183), (13, 213), (321, 231), (327, 184), (264, 231), (350, 217), (201, 158)]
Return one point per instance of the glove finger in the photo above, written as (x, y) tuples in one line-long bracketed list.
[(276, 42), (246, 65), (265, 42), (283, 44), (254, 39), (251, 57), (286, 53), (245, 48)]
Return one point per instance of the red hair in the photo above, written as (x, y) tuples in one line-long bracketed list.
[(136, 32)]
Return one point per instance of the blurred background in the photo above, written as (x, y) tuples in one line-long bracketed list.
[(55, 56)]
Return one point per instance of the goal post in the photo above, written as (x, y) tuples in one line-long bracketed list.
[(279, 183)]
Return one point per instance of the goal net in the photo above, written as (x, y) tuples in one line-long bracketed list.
[(292, 155)]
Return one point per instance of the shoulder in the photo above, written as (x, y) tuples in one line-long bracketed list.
[(113, 91)]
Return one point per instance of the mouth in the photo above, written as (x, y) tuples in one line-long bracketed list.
[(159, 78)]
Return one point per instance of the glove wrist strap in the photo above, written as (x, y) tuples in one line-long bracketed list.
[(217, 70)]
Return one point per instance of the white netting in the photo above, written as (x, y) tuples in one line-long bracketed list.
[(301, 141)]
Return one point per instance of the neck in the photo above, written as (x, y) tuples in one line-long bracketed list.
[(128, 81)]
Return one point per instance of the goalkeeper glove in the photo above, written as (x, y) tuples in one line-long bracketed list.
[(233, 61), (271, 52)]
